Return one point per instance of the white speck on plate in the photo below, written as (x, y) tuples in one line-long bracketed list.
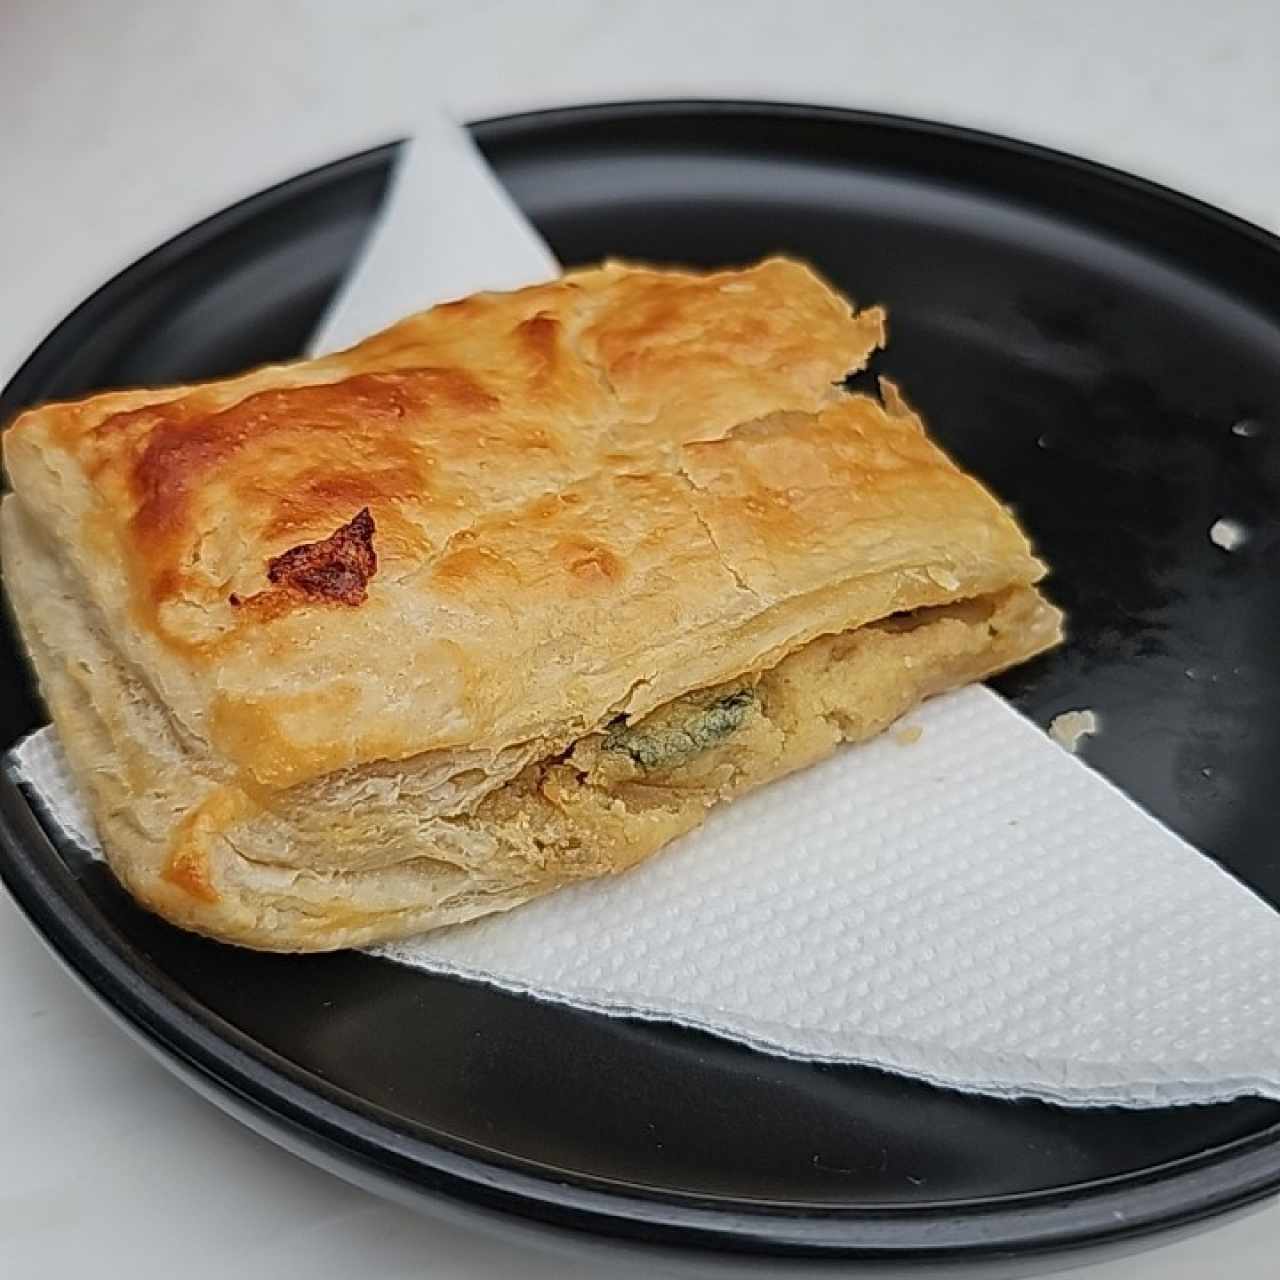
[(1068, 728), (1228, 534)]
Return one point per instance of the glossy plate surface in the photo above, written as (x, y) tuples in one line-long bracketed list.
[(1083, 341)]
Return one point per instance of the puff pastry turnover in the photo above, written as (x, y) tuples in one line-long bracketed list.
[(504, 597)]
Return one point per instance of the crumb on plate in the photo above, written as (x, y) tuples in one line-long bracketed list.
[(1068, 728)]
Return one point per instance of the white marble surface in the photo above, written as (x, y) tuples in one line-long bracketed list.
[(122, 122)]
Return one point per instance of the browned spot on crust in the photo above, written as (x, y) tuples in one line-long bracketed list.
[(318, 493), (176, 455), (545, 508), (540, 334), (589, 562), (181, 450), (189, 870), (467, 565), (336, 568)]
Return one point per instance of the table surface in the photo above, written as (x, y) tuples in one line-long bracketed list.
[(125, 122)]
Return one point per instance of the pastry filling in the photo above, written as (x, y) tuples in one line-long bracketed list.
[(617, 795), (632, 787), (692, 730)]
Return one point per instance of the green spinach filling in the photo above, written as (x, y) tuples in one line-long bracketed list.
[(663, 746)]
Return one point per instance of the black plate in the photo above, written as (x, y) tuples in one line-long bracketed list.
[(1082, 340)]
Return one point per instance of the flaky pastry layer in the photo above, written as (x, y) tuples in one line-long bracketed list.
[(347, 869)]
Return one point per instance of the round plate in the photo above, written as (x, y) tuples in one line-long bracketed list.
[(1083, 341)]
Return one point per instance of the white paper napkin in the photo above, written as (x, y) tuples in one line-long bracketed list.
[(975, 907), (447, 228)]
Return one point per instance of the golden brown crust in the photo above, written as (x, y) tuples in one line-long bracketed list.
[(512, 450), (463, 545)]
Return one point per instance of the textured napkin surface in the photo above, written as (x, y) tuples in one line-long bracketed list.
[(447, 228), (977, 908), (974, 907)]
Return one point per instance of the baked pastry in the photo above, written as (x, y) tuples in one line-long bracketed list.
[(504, 597)]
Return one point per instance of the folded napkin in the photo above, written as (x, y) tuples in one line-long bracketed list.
[(970, 905)]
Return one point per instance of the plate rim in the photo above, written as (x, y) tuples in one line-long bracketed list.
[(238, 1071)]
